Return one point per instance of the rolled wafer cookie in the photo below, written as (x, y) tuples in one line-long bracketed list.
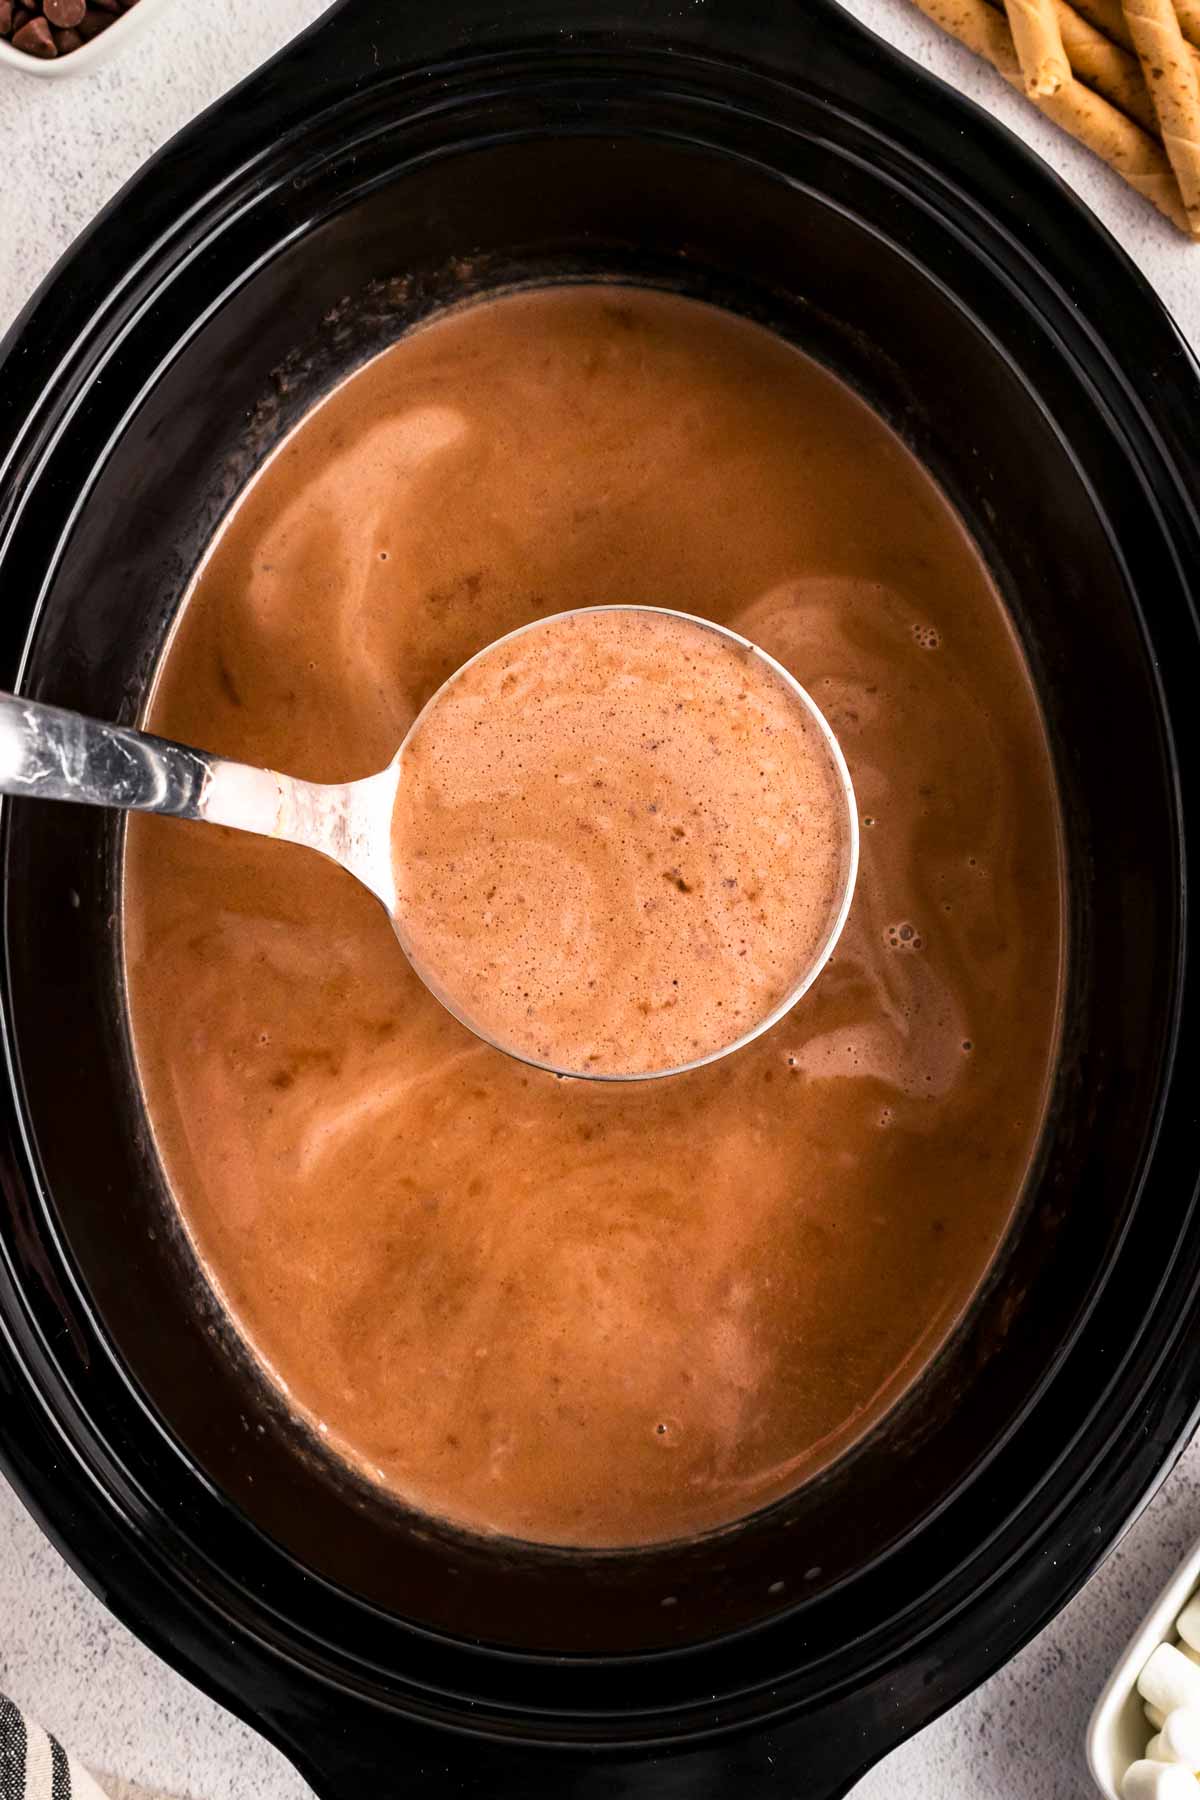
[(1108, 16), (1189, 19), (1174, 85), (1108, 68), (1039, 45), (1117, 140)]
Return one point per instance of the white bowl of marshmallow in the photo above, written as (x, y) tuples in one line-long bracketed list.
[(1144, 1738)]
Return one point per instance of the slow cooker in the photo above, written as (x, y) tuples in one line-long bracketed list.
[(776, 159)]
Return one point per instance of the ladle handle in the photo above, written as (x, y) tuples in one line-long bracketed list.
[(48, 753)]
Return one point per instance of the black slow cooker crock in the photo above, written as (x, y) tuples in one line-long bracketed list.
[(775, 158)]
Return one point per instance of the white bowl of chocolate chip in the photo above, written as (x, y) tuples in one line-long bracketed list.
[(56, 38)]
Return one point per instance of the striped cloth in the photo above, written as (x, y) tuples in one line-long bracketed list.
[(34, 1766)]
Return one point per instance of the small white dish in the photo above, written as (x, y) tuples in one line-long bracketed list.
[(88, 56), (1119, 1731)]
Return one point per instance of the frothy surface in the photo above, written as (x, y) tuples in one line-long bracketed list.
[(583, 1312), (620, 840)]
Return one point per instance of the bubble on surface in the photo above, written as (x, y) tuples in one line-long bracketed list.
[(904, 936)]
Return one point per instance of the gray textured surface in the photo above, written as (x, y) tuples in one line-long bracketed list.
[(61, 1654)]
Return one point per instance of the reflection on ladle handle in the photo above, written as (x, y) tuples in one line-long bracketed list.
[(48, 753)]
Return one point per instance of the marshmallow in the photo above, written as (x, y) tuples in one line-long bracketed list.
[(1154, 1717), (1170, 1680), (1192, 1655), (1158, 1781), (1188, 1623), (1179, 1739)]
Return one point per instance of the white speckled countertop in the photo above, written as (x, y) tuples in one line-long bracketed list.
[(66, 148)]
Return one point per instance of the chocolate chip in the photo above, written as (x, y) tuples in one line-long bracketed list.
[(21, 17), (6, 13), (94, 23), (67, 41), (36, 39), (64, 13)]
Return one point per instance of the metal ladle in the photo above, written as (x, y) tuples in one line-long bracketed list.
[(49, 753)]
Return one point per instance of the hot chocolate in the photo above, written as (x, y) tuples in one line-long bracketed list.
[(581, 1312), (622, 840)]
